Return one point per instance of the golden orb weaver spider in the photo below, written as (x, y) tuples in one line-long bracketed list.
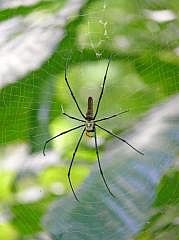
[(89, 124)]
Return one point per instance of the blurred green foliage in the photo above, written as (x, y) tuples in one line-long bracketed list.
[(144, 71)]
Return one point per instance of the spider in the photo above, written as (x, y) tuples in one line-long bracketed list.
[(89, 127)]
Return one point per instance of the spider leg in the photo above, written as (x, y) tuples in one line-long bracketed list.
[(123, 140), (71, 116), (62, 133), (99, 164), (115, 115), (71, 163), (80, 120), (73, 96), (102, 90)]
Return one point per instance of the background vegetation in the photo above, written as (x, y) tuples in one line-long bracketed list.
[(37, 39)]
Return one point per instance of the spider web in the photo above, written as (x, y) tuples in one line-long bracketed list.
[(142, 39)]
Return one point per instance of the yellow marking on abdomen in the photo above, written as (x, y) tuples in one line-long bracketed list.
[(89, 134)]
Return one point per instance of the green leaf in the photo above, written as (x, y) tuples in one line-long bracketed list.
[(162, 74), (164, 221), (168, 192), (27, 216), (10, 10)]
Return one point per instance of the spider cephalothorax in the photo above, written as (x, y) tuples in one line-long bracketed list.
[(89, 126)]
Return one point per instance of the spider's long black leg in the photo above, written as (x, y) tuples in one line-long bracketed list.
[(115, 115), (71, 163), (73, 96), (123, 140), (50, 139), (102, 90), (99, 164), (80, 120)]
